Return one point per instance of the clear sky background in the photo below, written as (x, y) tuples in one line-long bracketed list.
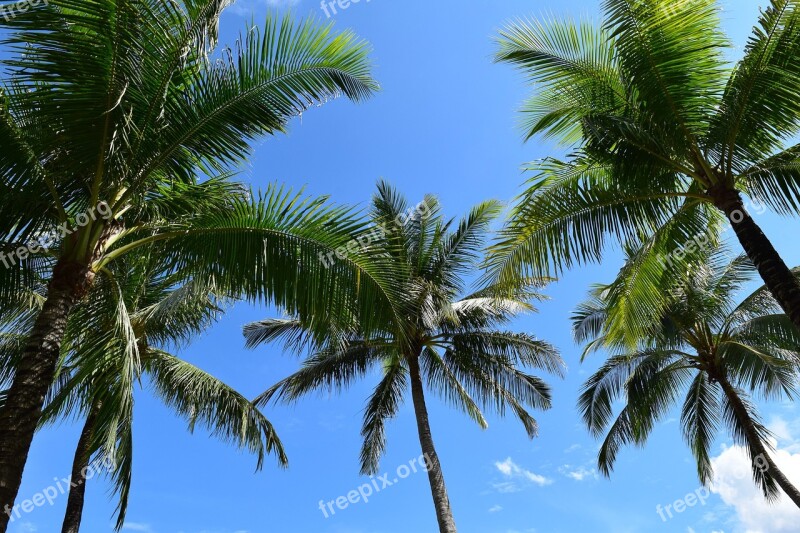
[(444, 123)]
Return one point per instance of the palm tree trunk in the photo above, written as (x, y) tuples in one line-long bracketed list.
[(779, 279), (20, 415), (757, 448), (440, 499), (80, 464)]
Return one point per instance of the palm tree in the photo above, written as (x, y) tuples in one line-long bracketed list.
[(706, 346), (116, 338), (665, 135), (446, 343), (121, 126), (121, 335)]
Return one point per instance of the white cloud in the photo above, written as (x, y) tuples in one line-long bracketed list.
[(506, 487), (734, 484), (495, 509), (137, 526), (506, 467), (516, 477), (578, 474), (535, 478)]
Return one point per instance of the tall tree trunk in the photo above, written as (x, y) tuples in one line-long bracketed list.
[(20, 415), (757, 447), (779, 279), (77, 492), (440, 499)]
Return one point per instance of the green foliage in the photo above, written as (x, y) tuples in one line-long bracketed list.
[(132, 104), (701, 342), (116, 342), (454, 337), (657, 122)]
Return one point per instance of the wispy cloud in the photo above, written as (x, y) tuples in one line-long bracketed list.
[(516, 477), (580, 473), (495, 509), (137, 526)]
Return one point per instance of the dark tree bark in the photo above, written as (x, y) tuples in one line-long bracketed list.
[(441, 501), (22, 411), (77, 492), (778, 278), (757, 447)]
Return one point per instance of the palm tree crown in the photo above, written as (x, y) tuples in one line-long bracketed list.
[(121, 124), (709, 348), (452, 344), (138, 312), (666, 137)]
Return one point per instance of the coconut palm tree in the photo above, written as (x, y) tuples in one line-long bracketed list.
[(121, 123), (449, 344), (707, 348), (666, 137), (121, 335)]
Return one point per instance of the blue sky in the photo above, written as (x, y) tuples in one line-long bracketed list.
[(444, 123)]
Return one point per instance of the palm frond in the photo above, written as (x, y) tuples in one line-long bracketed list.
[(775, 181), (520, 348), (700, 420), (275, 74), (461, 249), (444, 382), (382, 405), (289, 331), (761, 104), (745, 426), (567, 213), (331, 369), (671, 53), (763, 369), (272, 249), (575, 67), (203, 399)]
